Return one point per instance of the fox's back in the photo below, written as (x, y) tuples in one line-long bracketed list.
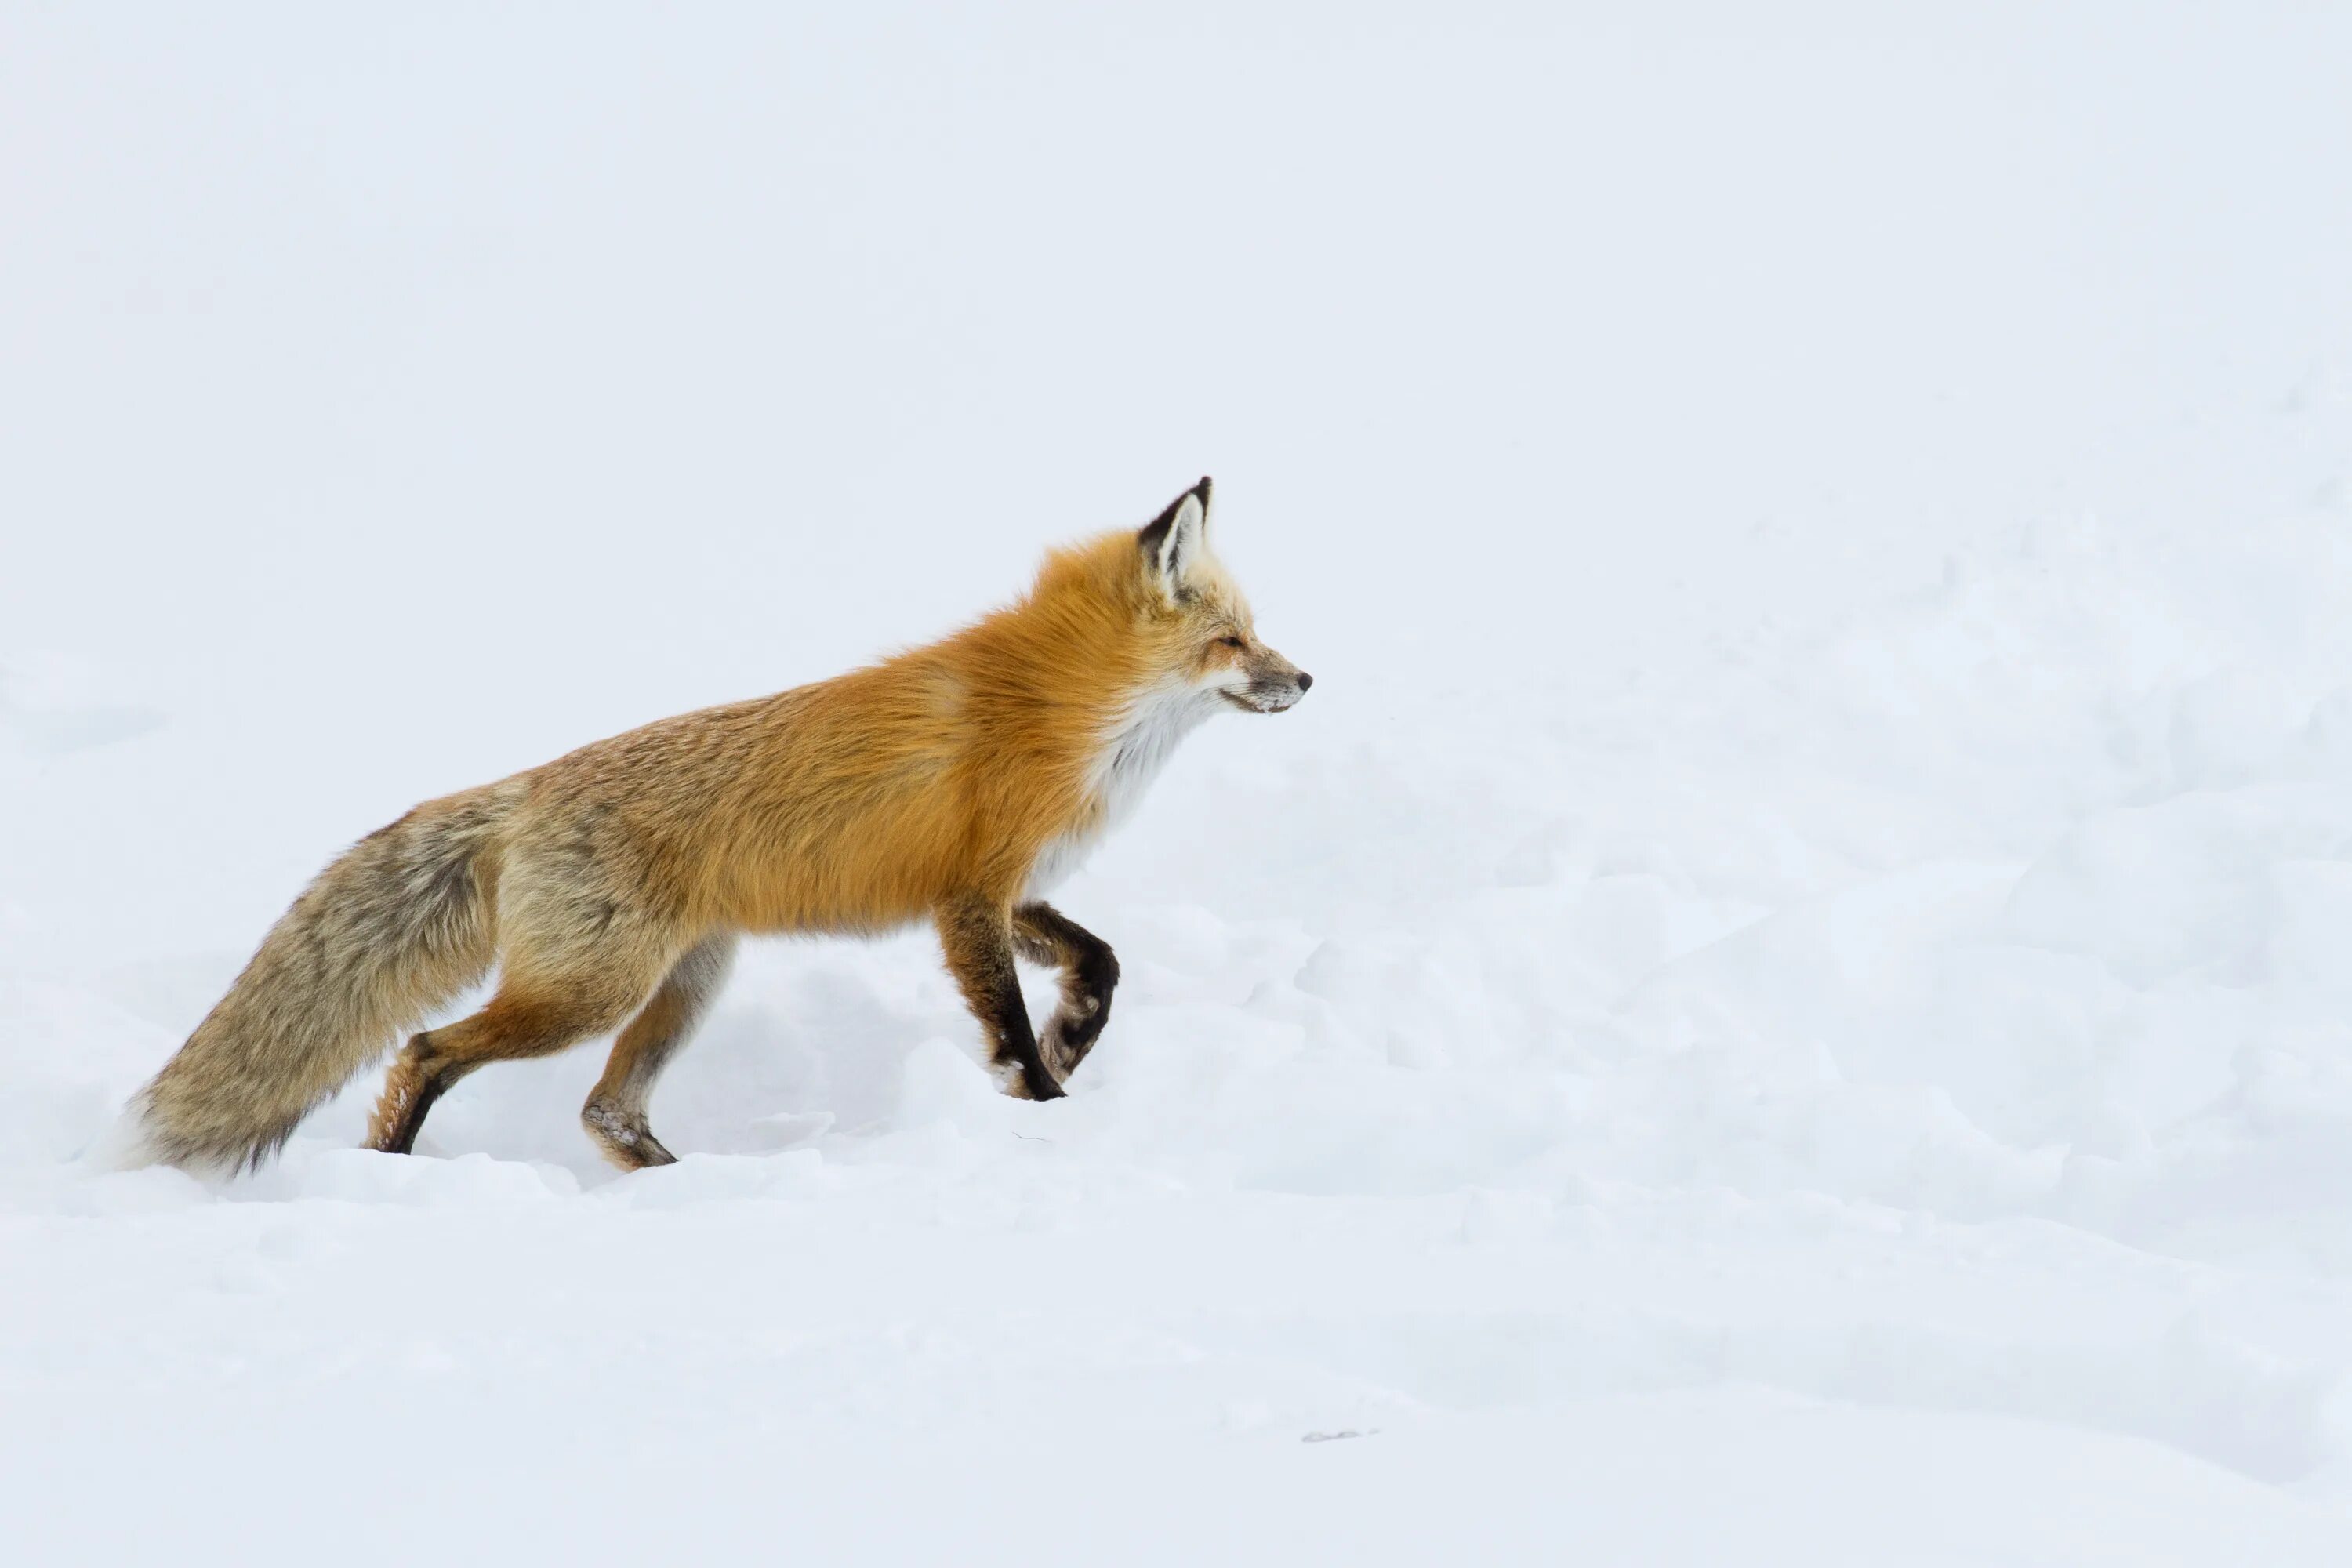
[(848, 803)]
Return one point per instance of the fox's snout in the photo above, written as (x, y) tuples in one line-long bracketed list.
[(1276, 684), (1283, 695)]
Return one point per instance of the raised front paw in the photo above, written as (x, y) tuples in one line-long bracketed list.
[(1069, 1035)]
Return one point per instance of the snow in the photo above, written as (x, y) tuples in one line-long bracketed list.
[(1782, 999)]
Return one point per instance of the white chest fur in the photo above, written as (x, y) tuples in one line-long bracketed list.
[(1131, 757)]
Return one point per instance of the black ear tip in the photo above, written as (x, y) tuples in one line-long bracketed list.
[(1157, 529)]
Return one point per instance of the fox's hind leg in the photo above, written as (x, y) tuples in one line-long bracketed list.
[(541, 1006), (1089, 974), (616, 1112)]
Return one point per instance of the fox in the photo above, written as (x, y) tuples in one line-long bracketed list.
[(957, 783)]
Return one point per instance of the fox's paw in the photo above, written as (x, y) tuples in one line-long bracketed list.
[(392, 1113), (1022, 1083), (1054, 1044), (1070, 1034), (622, 1138), (409, 1090)]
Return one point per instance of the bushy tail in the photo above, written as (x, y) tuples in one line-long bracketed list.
[(394, 930)]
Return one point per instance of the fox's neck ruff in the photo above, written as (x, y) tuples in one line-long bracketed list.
[(1133, 750), (1141, 743)]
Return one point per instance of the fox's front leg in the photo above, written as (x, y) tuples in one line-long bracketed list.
[(976, 934), (1089, 975)]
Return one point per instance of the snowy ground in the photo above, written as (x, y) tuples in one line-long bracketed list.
[(1782, 1000)]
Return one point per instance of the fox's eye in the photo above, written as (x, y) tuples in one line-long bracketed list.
[(1231, 642)]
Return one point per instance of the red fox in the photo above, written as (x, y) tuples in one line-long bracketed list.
[(958, 781)]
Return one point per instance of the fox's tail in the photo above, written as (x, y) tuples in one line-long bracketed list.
[(394, 928)]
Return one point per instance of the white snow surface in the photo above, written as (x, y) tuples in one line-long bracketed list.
[(1784, 998)]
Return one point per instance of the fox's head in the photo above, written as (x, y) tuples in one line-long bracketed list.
[(1147, 630), (1193, 626), (1125, 643)]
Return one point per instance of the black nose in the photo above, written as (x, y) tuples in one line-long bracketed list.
[(1304, 681)]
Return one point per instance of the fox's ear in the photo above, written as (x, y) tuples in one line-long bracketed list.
[(1173, 541)]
